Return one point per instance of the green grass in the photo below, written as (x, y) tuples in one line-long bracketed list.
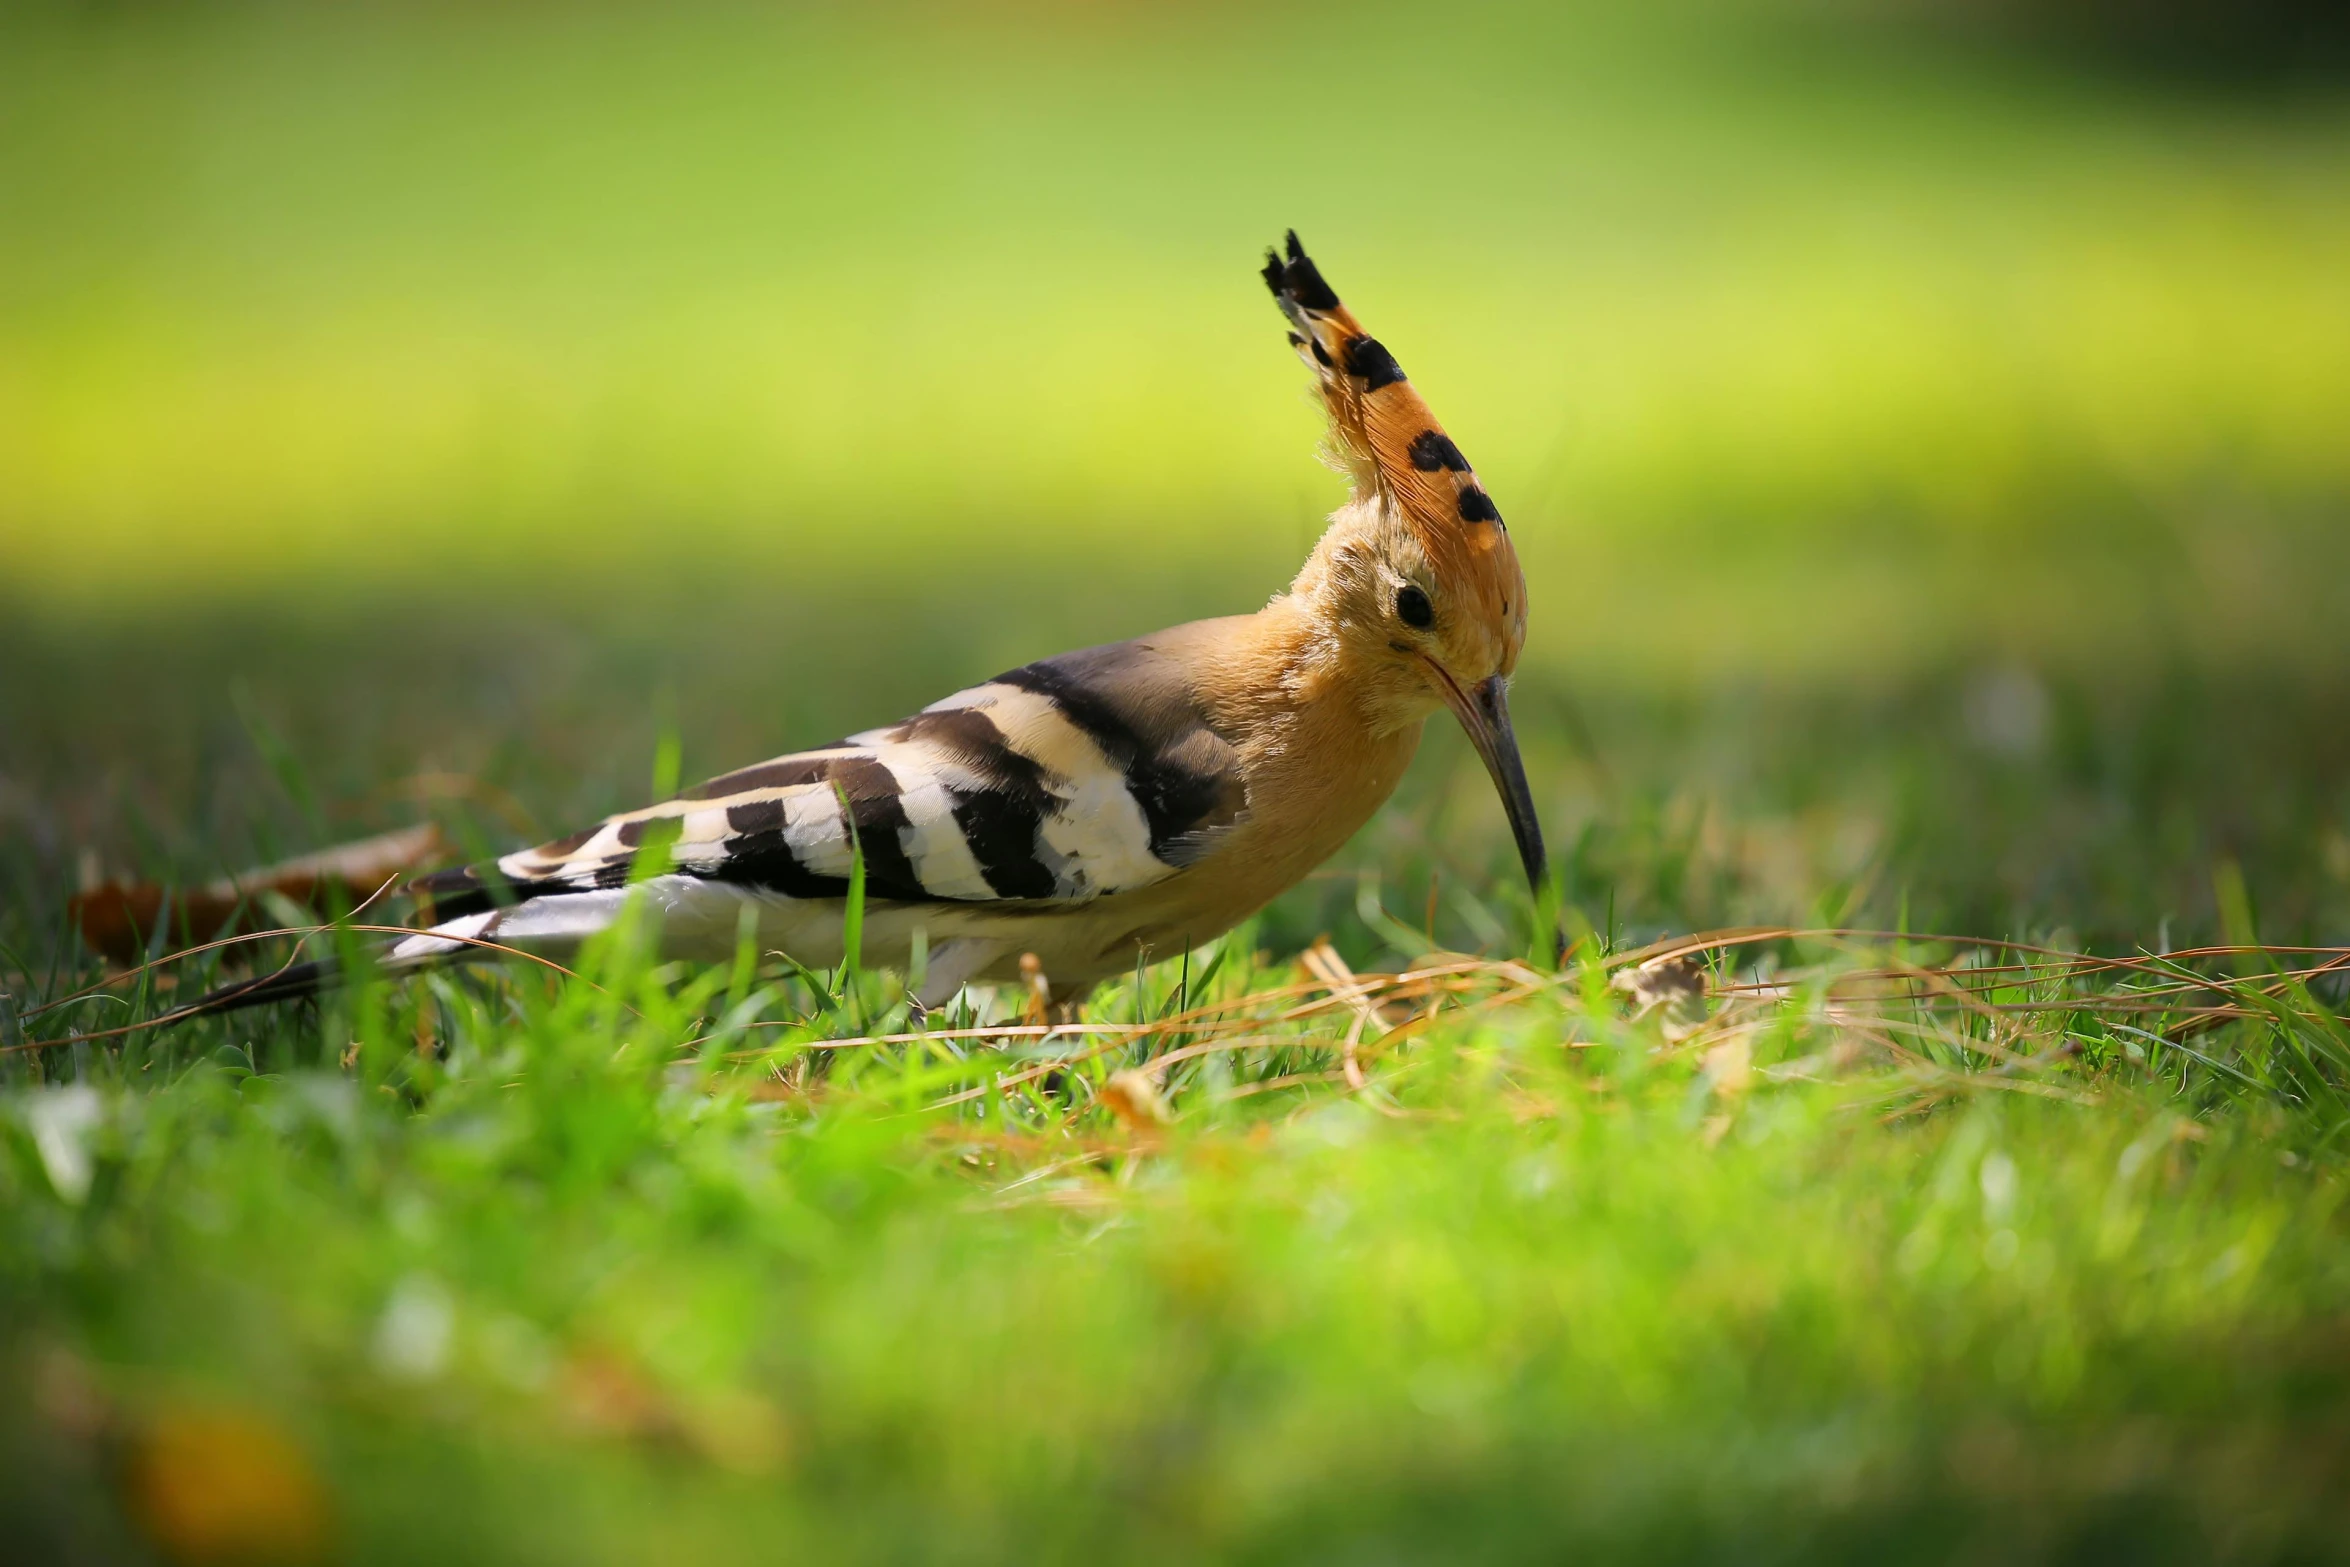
[(613, 1270), (1916, 1280), (1928, 468)]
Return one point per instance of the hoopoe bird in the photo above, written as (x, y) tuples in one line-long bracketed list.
[(1097, 807)]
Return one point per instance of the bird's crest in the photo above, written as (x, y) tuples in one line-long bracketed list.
[(1391, 445)]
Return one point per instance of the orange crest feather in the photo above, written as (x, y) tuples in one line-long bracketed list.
[(1393, 447)]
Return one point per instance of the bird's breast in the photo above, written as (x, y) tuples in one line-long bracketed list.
[(1306, 798)]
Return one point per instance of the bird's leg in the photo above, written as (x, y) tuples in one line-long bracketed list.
[(952, 963), (1046, 1007)]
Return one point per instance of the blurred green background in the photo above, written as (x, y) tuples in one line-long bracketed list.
[(1923, 425)]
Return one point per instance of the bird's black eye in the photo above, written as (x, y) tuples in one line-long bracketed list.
[(1413, 609)]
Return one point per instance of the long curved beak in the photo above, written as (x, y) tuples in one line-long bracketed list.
[(1484, 712)]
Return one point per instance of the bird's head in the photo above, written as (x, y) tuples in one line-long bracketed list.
[(1419, 580)]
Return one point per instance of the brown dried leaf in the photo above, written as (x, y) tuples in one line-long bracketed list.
[(116, 917), (1134, 1099), (1672, 988), (213, 1483)]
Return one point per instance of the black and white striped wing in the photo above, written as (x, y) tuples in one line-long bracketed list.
[(1065, 781)]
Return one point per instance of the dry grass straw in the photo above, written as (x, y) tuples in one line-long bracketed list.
[(1948, 1014)]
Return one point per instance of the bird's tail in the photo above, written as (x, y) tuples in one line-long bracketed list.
[(562, 919), (444, 942), (293, 983), (1388, 440)]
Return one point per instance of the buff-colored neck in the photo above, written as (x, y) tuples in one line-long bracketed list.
[(1315, 658)]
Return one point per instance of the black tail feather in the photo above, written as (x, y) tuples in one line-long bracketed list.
[(296, 983)]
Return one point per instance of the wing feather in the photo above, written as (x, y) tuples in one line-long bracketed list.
[(1061, 782)]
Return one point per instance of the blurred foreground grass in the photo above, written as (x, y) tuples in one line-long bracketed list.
[(1928, 463), (652, 1266)]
